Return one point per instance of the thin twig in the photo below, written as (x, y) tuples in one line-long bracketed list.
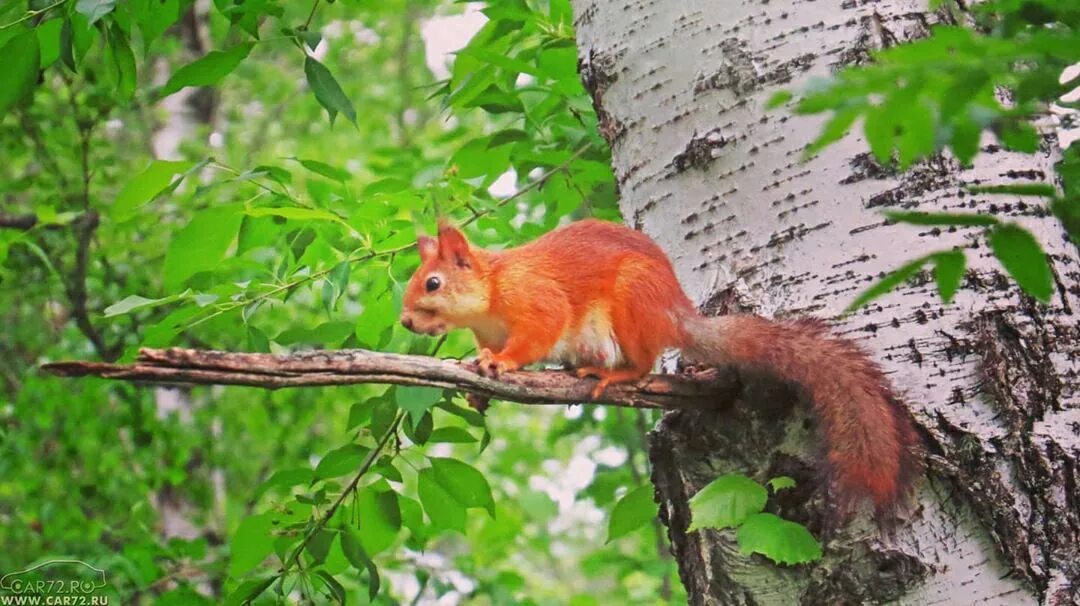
[(364, 467), (31, 14), (75, 287), (311, 15)]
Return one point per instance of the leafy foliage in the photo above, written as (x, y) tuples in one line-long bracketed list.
[(942, 93), (634, 510), (257, 224), (726, 502), (778, 539), (736, 501)]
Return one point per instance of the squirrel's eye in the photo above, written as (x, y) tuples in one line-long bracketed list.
[(433, 283)]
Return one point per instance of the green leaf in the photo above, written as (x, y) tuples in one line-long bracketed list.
[(726, 502), (48, 34), (443, 509), (251, 543), (326, 170), (334, 286), (510, 135), (285, 478), (917, 130), (83, 37), (154, 17), (318, 547), (340, 461), (959, 219), (880, 133), (463, 482), (201, 244), (354, 552), (207, 70), (382, 417), (1020, 189), (312, 39), (778, 539), (327, 90), (948, 273), (276, 173), (453, 435), (779, 98), (295, 213), (1024, 259), (501, 60), (834, 130), (124, 61), (95, 9), (379, 519), (964, 139), (22, 59), (469, 415), (67, 44), (1019, 136), (250, 589), (359, 413), (781, 482), (145, 186), (420, 431), (631, 512), (336, 589), (416, 400), (888, 283), (132, 303), (257, 340)]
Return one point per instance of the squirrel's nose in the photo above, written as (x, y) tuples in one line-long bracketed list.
[(406, 321)]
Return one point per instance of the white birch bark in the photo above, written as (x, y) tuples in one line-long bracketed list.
[(991, 379), (186, 112)]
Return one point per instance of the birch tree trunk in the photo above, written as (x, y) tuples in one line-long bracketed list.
[(991, 379)]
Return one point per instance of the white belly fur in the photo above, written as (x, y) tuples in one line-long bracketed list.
[(591, 344)]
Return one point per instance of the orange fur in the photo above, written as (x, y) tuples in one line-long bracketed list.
[(604, 299)]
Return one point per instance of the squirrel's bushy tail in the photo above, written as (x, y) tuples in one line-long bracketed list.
[(871, 441)]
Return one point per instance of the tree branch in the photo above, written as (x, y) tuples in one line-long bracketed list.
[(711, 389), (22, 222), (75, 287)]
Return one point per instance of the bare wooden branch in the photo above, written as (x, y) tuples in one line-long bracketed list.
[(22, 222), (714, 388)]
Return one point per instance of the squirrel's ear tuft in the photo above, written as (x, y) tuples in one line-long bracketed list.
[(428, 247), (453, 246)]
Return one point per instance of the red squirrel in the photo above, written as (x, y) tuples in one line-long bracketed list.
[(603, 298)]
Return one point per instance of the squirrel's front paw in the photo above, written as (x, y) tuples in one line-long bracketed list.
[(490, 365)]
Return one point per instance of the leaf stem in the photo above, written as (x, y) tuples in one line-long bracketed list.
[(311, 15), (30, 14)]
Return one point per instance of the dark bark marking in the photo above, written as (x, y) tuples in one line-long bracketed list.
[(699, 152), (689, 450), (1018, 379)]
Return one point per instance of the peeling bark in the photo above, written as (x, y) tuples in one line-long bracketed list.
[(991, 378)]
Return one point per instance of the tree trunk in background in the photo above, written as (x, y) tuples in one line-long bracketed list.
[(991, 379), (187, 111)]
